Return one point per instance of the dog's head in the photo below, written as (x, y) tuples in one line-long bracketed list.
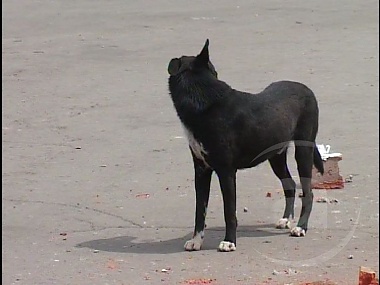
[(194, 64)]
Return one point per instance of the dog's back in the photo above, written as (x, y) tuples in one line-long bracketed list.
[(245, 125)]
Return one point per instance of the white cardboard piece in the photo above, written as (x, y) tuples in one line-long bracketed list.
[(324, 150)]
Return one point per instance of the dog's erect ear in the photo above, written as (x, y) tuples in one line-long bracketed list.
[(174, 66), (204, 55)]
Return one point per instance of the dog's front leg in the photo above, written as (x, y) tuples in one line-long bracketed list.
[(227, 180), (202, 193)]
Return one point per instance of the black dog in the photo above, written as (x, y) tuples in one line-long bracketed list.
[(230, 130)]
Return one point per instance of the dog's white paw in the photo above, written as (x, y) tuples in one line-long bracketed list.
[(283, 223), (192, 244), (195, 243), (226, 246), (297, 232)]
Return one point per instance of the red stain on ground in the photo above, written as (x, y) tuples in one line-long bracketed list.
[(112, 264), (338, 184)]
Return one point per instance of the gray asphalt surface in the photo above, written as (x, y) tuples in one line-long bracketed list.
[(88, 129)]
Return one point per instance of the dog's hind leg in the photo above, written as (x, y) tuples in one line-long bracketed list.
[(280, 168), (202, 193), (227, 180), (304, 158)]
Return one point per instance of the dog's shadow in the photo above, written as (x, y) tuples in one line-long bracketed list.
[(126, 244)]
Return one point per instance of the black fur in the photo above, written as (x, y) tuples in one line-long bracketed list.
[(240, 130)]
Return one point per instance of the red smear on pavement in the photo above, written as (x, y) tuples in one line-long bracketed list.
[(338, 184), (111, 264)]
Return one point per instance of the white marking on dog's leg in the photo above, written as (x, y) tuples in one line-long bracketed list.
[(297, 232), (196, 242), (283, 223), (226, 246)]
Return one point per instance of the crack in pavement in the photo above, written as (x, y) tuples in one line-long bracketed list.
[(76, 207), (93, 227)]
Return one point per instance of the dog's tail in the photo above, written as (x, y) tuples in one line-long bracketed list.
[(318, 162)]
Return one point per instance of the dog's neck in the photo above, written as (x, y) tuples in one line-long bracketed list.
[(195, 96)]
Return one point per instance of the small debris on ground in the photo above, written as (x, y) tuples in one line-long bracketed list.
[(63, 234), (165, 270), (245, 209), (199, 281), (158, 150), (322, 200), (348, 179), (326, 282), (350, 256), (269, 194), (326, 200), (288, 271), (144, 195), (291, 271)]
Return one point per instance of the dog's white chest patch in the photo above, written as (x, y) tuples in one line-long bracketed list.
[(196, 146)]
